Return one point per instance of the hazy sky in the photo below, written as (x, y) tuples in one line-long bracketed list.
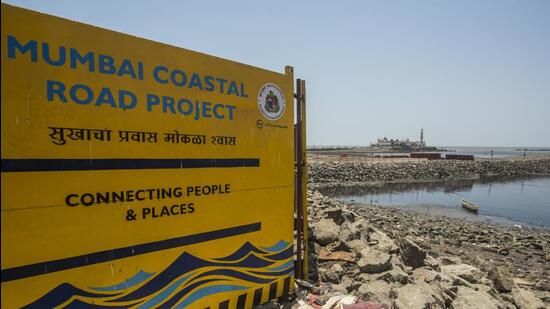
[(468, 72)]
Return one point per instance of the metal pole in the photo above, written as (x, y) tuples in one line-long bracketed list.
[(303, 126), (298, 182)]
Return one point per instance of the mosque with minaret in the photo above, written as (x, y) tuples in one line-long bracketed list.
[(401, 144)]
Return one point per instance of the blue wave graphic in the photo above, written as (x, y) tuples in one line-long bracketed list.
[(78, 304), (279, 273), (285, 254), (277, 247), (128, 283), (185, 263), (283, 266), (61, 294), (172, 301), (241, 252), (164, 294), (187, 279), (239, 275)]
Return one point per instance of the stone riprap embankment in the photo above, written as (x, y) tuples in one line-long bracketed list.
[(429, 170), (399, 259)]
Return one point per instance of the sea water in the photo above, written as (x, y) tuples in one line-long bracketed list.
[(524, 200)]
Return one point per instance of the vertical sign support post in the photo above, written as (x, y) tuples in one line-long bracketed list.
[(304, 178), (301, 183)]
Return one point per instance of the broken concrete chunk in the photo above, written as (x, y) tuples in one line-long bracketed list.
[(378, 291), (467, 298), (374, 261), (411, 254), (525, 299), (501, 280), (467, 272), (326, 231)]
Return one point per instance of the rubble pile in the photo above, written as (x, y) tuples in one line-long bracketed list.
[(372, 257)]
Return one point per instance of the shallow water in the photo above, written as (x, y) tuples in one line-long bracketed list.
[(498, 152), (519, 200)]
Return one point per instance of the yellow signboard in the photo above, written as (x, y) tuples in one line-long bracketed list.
[(138, 174)]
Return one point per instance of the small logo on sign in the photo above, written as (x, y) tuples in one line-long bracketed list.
[(271, 101)]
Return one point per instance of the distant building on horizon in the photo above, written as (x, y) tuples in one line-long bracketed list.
[(402, 144)]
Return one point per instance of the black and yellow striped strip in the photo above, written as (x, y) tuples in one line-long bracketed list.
[(257, 296)]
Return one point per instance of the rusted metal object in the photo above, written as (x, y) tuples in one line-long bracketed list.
[(325, 255)]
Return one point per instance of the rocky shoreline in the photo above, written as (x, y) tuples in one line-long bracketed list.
[(369, 256), (388, 258)]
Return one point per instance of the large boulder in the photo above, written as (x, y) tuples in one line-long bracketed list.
[(525, 299), (411, 254), (377, 291), (421, 296), (424, 274), (464, 271), (361, 225), (382, 241), (334, 213), (356, 245), (433, 263), (326, 231), (348, 232), (374, 261), (395, 274), (501, 280), (467, 298), (349, 216)]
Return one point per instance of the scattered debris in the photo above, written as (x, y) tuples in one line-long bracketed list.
[(325, 255)]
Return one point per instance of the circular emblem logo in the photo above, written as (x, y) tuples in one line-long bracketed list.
[(271, 101)]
